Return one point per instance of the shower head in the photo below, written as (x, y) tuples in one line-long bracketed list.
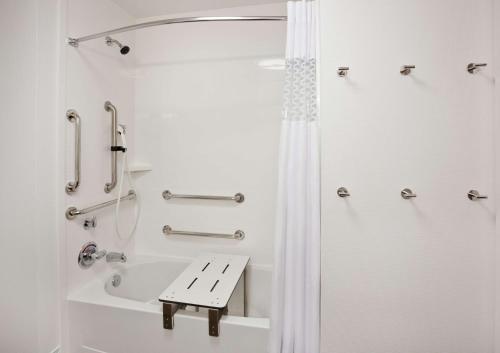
[(124, 49)]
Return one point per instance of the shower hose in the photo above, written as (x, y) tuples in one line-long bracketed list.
[(125, 167)]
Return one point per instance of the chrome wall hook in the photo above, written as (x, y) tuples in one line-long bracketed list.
[(343, 192), (342, 71), (474, 195), (472, 68), (407, 194), (406, 69)]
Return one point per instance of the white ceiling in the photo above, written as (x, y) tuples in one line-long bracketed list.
[(150, 8)]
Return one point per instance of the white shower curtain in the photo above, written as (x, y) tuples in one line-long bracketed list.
[(295, 313)]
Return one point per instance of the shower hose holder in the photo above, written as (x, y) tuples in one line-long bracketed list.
[(208, 282)]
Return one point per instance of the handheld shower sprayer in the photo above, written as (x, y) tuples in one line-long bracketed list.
[(124, 49), (125, 172)]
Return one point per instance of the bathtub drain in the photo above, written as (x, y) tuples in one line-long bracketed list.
[(117, 279)]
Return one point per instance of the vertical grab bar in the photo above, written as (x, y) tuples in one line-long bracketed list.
[(109, 107), (73, 116)]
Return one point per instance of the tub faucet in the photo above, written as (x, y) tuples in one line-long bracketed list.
[(116, 257), (89, 254)]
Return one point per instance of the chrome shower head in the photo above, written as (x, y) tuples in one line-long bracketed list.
[(124, 49)]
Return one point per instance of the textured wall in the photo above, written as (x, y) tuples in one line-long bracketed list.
[(398, 275)]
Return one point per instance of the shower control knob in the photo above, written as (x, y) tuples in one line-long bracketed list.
[(89, 254), (90, 223)]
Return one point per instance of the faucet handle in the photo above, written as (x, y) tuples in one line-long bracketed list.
[(89, 254)]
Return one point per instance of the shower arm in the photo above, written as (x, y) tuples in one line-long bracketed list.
[(109, 107)]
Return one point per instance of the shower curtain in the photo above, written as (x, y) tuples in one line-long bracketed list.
[(295, 313)]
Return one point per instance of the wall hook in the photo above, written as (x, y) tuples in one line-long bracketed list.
[(343, 192), (474, 195), (407, 194), (342, 71), (473, 67), (406, 69)]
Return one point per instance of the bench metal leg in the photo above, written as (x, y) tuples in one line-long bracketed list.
[(214, 316), (169, 310)]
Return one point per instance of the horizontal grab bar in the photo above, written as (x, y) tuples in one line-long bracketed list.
[(239, 197), (72, 212), (238, 235)]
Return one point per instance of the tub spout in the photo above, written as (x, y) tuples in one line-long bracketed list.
[(116, 257)]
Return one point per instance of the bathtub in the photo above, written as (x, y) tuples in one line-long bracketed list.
[(120, 313)]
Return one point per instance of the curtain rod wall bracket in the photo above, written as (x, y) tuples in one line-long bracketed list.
[(73, 42)]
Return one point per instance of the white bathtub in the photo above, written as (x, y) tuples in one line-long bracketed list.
[(128, 318)]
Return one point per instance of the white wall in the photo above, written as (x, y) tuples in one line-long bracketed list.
[(29, 296), (94, 73), (398, 275), (207, 119), (496, 53)]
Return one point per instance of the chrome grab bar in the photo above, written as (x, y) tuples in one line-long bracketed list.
[(73, 116), (109, 107), (73, 212), (239, 197), (238, 235)]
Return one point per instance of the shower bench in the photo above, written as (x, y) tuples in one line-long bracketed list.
[(208, 282)]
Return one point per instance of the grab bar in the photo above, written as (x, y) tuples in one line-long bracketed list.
[(73, 116), (72, 212), (109, 107), (238, 235), (239, 197)]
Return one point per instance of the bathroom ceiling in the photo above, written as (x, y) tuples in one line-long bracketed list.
[(151, 8)]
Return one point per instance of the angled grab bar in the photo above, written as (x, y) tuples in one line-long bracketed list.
[(73, 116), (73, 212), (238, 235), (239, 197), (109, 107)]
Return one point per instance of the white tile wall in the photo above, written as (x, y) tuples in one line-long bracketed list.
[(207, 119), (398, 275), (29, 289)]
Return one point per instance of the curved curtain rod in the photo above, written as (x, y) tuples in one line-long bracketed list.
[(75, 41)]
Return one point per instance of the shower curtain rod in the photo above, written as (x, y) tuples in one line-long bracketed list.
[(75, 41)]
